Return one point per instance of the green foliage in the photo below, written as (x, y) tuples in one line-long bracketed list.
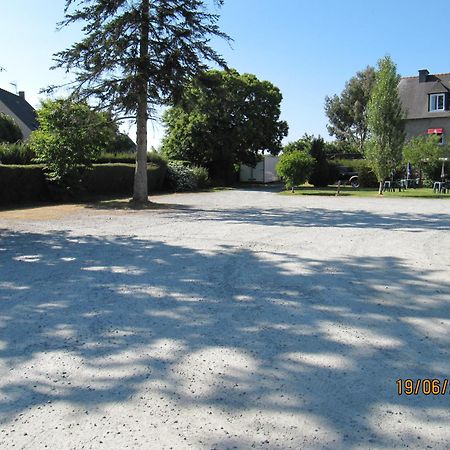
[(17, 153), (294, 167), (366, 176), (300, 145), (22, 184), (423, 152), (9, 130), (321, 174), (130, 158), (347, 113), (105, 179), (201, 176), (385, 121), (69, 138), (225, 118), (180, 178)]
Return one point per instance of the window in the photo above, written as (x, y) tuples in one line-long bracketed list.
[(437, 102)]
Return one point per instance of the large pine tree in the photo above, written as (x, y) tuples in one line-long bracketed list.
[(137, 54)]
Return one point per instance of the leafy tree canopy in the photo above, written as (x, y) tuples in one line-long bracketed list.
[(385, 121), (423, 152), (347, 113), (225, 118), (9, 130), (70, 136)]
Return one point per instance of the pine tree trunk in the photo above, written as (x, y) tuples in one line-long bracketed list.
[(140, 191)]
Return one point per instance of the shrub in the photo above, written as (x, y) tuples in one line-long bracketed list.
[(180, 178), (9, 130), (295, 167), (320, 174), (70, 137), (201, 176), (17, 153)]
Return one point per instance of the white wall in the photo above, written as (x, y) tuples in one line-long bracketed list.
[(270, 173), (264, 172)]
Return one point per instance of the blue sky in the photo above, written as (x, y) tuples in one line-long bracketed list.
[(307, 49)]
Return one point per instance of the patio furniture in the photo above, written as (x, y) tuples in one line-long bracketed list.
[(410, 182), (440, 187)]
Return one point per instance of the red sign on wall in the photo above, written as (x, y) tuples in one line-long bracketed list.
[(435, 130)]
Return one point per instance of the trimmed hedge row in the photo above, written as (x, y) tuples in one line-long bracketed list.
[(20, 184), (118, 179)]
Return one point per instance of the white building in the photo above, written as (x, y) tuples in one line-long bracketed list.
[(264, 172)]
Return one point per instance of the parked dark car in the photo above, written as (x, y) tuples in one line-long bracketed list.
[(347, 176)]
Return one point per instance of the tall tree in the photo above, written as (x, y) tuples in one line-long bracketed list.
[(225, 118), (385, 121), (137, 54), (347, 113)]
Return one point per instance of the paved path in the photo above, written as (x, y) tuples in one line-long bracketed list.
[(233, 319)]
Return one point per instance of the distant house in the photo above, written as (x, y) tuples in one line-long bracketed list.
[(426, 102), (20, 110)]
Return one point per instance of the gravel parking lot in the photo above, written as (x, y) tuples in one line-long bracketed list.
[(232, 319)]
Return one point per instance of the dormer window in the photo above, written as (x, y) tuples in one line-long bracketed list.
[(437, 102)]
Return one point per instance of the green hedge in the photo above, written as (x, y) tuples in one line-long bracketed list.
[(130, 158), (118, 178), (20, 184), (18, 153)]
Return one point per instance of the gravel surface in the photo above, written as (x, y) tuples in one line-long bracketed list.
[(231, 319)]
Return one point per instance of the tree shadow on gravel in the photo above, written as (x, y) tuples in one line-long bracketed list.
[(233, 330), (324, 218)]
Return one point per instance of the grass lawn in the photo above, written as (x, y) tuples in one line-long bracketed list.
[(365, 192)]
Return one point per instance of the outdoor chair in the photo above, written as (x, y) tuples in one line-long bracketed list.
[(440, 187)]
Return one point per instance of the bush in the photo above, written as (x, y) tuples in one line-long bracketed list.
[(9, 130), (180, 178), (295, 167), (320, 174), (201, 176), (18, 153), (71, 135)]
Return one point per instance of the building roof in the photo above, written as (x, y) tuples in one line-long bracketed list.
[(414, 95), (20, 107)]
